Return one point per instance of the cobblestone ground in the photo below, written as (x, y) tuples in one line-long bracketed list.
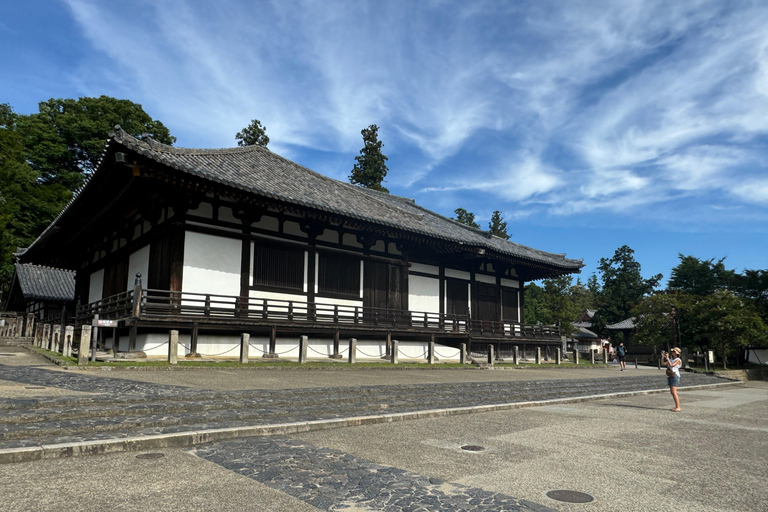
[(117, 408), (332, 480)]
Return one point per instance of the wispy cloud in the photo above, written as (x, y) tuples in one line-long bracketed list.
[(565, 108)]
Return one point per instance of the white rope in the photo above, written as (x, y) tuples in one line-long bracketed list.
[(221, 353), (368, 355), (153, 348), (438, 354), (424, 356), (257, 348)]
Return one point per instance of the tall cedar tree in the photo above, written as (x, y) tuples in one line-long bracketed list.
[(623, 287), (466, 217), (253, 135), (498, 226), (371, 168)]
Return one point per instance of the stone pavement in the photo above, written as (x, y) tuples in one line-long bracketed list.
[(393, 465)]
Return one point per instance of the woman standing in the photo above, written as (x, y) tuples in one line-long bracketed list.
[(673, 374)]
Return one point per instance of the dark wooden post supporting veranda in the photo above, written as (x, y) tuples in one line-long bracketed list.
[(193, 338), (336, 354), (272, 343)]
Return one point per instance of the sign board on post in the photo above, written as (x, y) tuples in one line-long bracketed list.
[(98, 322)]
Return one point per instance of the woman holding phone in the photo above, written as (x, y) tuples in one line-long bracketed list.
[(673, 365)]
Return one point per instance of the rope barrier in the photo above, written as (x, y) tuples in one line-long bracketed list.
[(289, 350), (315, 351), (221, 353), (424, 356), (153, 348), (438, 354), (257, 348), (368, 355)]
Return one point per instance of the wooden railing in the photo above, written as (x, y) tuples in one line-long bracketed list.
[(148, 304)]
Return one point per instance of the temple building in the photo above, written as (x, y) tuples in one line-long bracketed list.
[(217, 242)]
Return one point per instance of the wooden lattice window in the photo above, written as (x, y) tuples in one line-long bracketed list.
[(339, 275), (277, 266)]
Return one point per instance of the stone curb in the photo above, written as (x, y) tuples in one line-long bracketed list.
[(192, 438)]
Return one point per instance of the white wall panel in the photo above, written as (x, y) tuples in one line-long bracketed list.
[(423, 294), (96, 286), (138, 263), (211, 264)]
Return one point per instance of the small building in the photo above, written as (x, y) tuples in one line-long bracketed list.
[(44, 291), (218, 242)]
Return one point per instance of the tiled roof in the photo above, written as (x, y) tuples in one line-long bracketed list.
[(45, 283), (582, 332), (629, 323), (257, 170)]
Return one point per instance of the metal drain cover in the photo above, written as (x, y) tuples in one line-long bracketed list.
[(570, 496), (150, 456), (472, 448)]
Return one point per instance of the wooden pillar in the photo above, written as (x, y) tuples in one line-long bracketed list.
[(193, 338), (303, 341), (245, 339), (336, 354), (85, 342), (173, 347), (132, 338), (272, 342), (69, 334), (56, 339)]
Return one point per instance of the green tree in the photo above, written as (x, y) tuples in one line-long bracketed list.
[(27, 205), (466, 217), (497, 226), (699, 277), (623, 287), (655, 324), (726, 323), (370, 168), (753, 285), (253, 135), (64, 140)]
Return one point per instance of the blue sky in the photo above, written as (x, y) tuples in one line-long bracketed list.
[(589, 125)]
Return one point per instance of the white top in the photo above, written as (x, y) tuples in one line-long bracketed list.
[(675, 369)]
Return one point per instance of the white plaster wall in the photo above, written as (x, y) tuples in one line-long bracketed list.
[(423, 294), (481, 278), (96, 286), (227, 347), (211, 264), (425, 269), (458, 274), (510, 283), (138, 263)]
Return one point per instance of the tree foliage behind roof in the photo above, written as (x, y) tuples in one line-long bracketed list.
[(64, 140), (465, 217), (253, 135), (46, 156)]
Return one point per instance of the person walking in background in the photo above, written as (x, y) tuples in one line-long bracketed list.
[(673, 365), (621, 353)]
